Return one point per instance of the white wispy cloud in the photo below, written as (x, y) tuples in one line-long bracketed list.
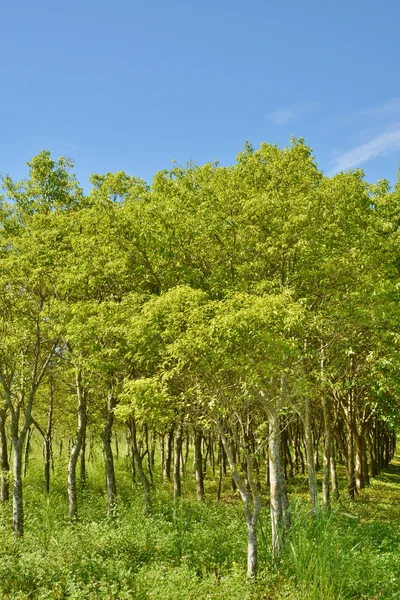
[(294, 111), (281, 117), (381, 144), (381, 114), (374, 131), (385, 110)]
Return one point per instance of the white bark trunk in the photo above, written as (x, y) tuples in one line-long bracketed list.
[(252, 506), (312, 480), (76, 448), (18, 509), (108, 456), (276, 481)]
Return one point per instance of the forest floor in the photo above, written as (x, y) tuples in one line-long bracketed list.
[(198, 550)]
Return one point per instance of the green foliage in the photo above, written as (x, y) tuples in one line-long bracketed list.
[(318, 555), (211, 299), (195, 550)]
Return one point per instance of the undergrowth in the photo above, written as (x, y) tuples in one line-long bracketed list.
[(197, 550)]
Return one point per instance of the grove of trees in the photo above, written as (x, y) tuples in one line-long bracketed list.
[(242, 319)]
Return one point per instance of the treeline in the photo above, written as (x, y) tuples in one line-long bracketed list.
[(247, 315)]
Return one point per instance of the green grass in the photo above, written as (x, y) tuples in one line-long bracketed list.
[(196, 550)]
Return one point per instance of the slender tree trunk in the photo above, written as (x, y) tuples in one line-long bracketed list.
[(251, 500), (76, 447), (364, 456), (185, 455), (252, 543), (267, 473), (234, 457), (18, 510), (108, 455), (371, 452), (139, 465), (359, 460), (348, 411), (316, 438), (168, 456), (327, 450), (276, 482), (153, 445), (288, 455), (148, 452), (220, 471), (4, 464), (83, 472), (198, 465), (212, 455), (133, 461), (162, 454), (48, 441), (27, 449), (116, 447), (335, 487), (312, 481), (18, 439), (350, 464), (91, 447), (387, 448), (377, 446), (299, 458), (47, 463), (177, 461)]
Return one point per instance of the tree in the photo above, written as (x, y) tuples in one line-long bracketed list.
[(30, 335)]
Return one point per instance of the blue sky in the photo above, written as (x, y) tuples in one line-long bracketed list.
[(129, 85)]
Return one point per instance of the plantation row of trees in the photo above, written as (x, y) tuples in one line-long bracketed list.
[(248, 314)]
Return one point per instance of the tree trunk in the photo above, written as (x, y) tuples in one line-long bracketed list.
[(139, 465), (252, 545), (327, 450), (276, 482), (83, 473), (288, 455), (116, 446), (316, 451), (299, 458), (47, 442), (371, 452), (335, 487), (108, 455), (220, 472), (168, 456), (186, 455), (18, 510), (4, 464), (252, 506), (177, 461), (198, 464), (312, 481), (130, 455), (162, 454), (18, 439), (350, 464), (148, 452), (364, 456), (76, 447), (47, 464), (359, 460), (27, 449), (211, 454)]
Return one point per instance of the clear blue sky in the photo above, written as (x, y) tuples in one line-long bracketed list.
[(131, 85)]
